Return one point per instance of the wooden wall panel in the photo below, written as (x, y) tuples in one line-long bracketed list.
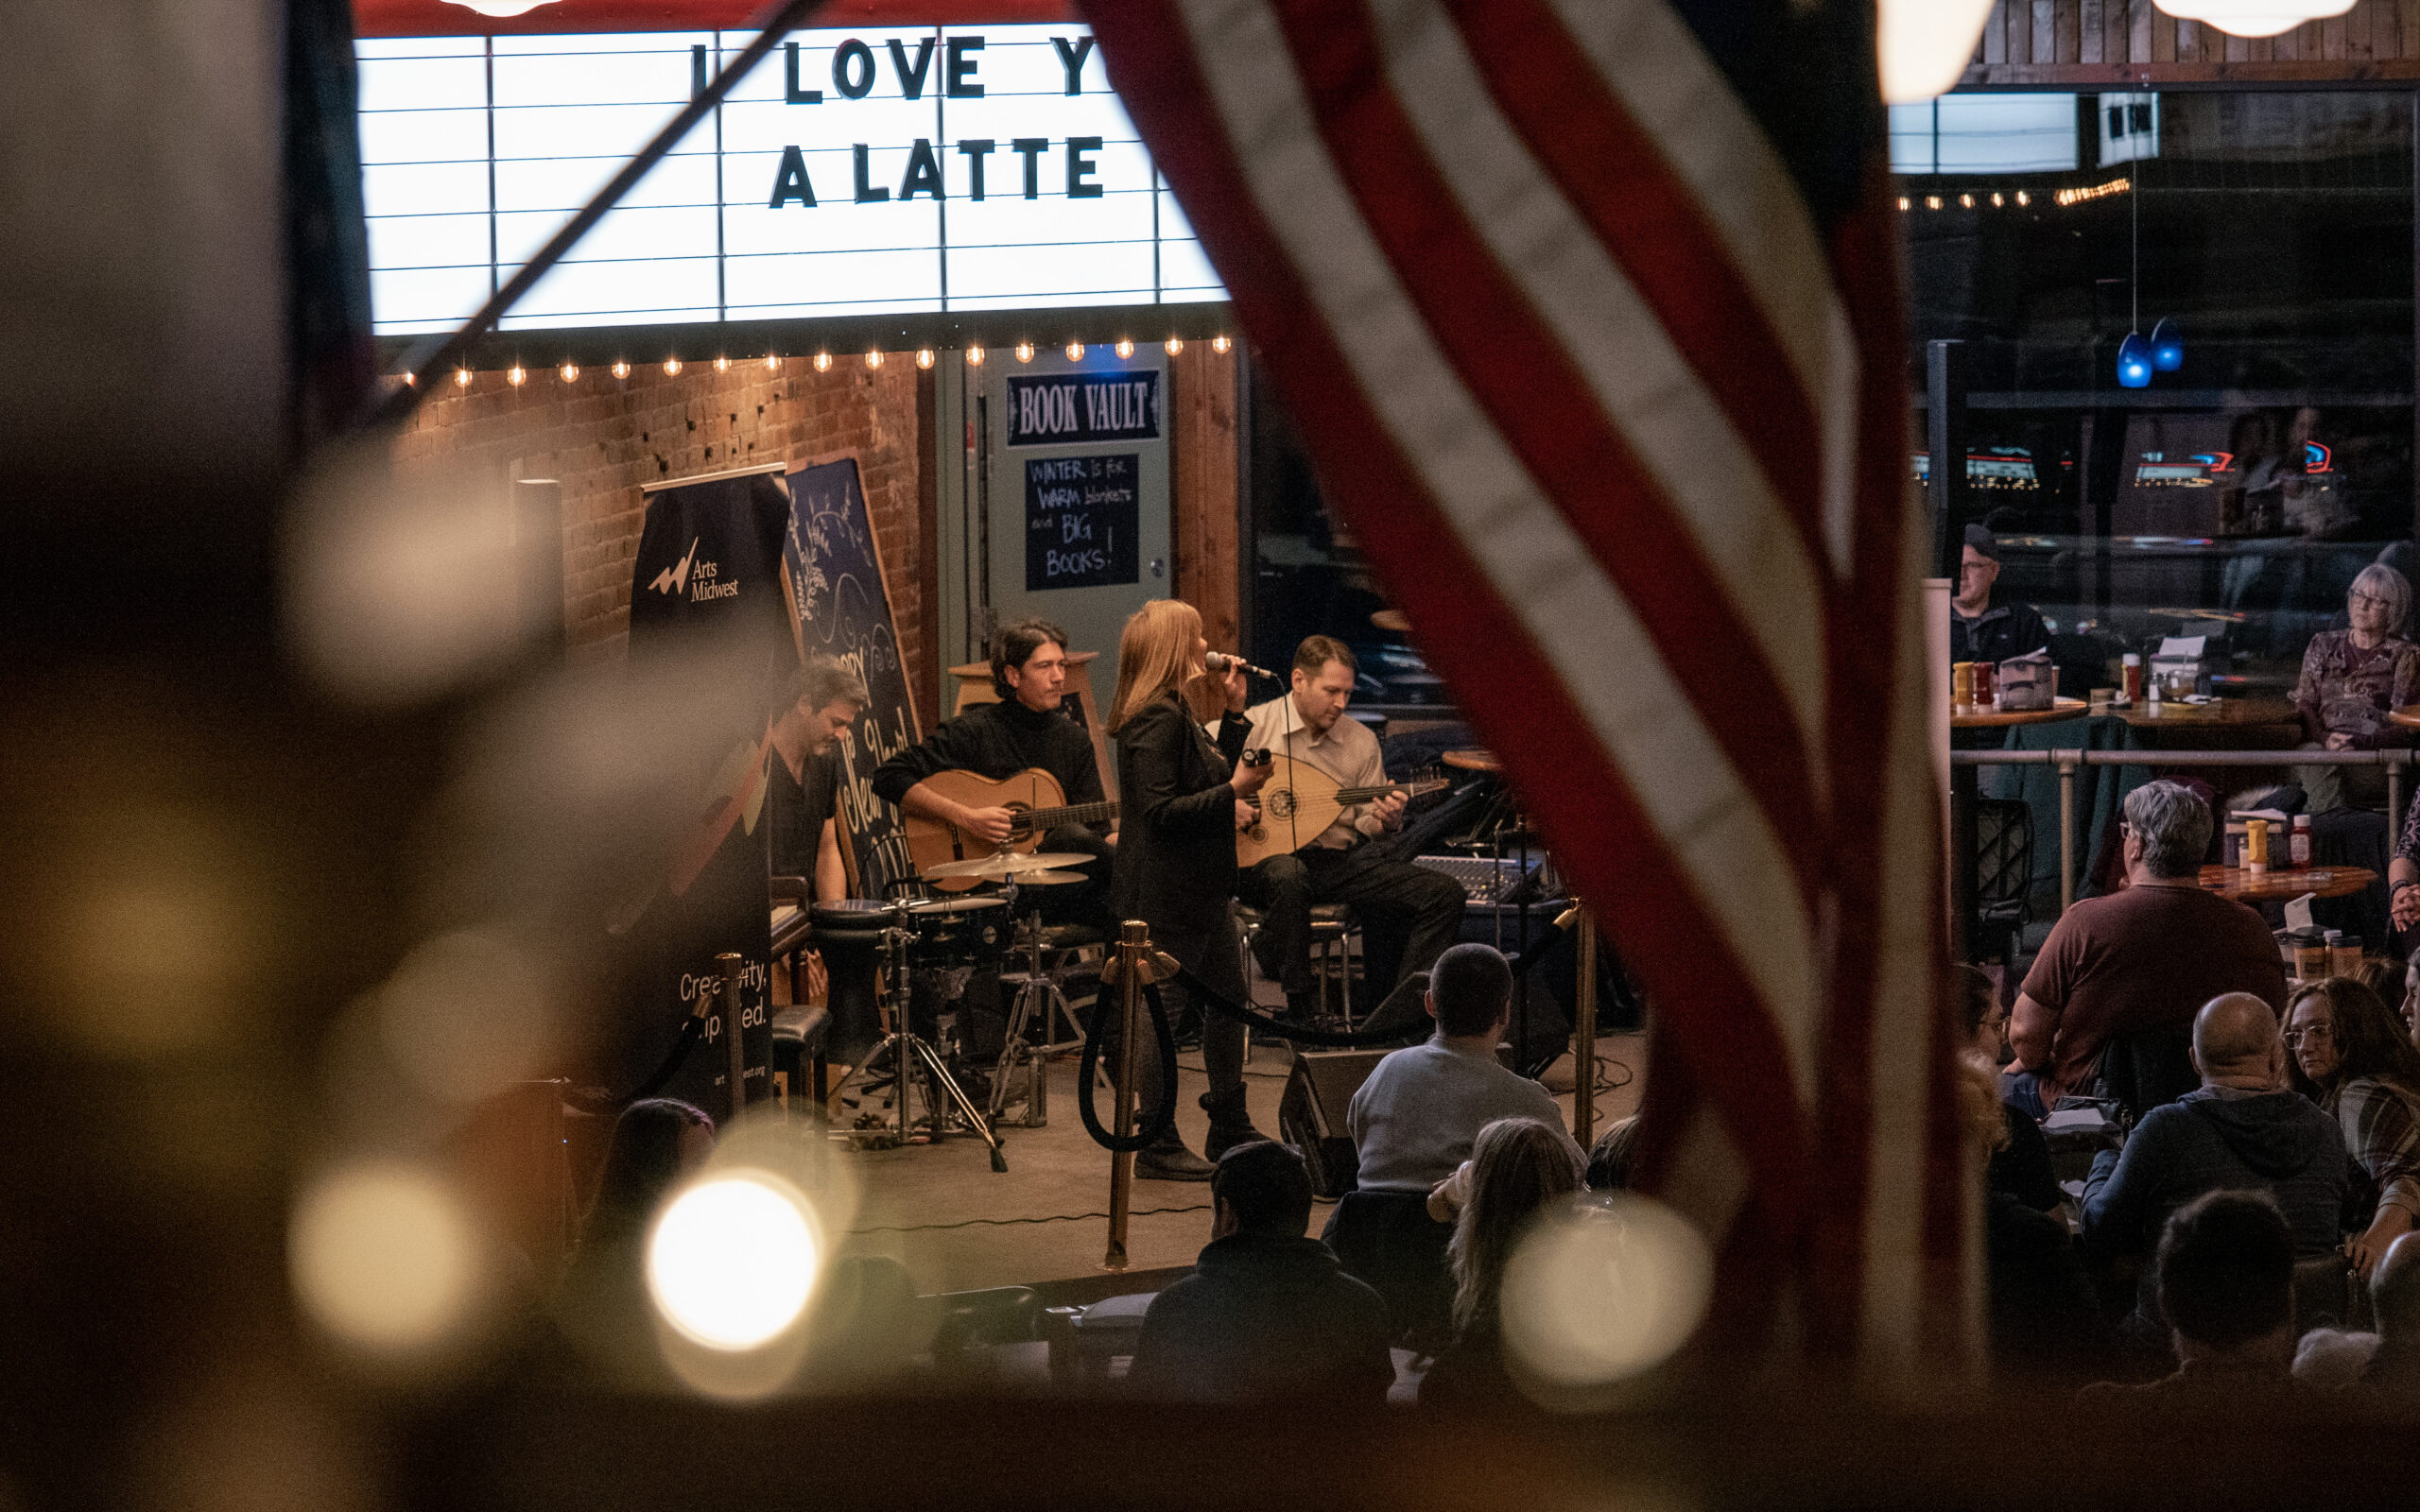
[(2116, 42)]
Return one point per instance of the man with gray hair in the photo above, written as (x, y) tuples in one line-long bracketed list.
[(2140, 961)]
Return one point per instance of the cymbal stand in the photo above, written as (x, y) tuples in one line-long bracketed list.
[(908, 1048)]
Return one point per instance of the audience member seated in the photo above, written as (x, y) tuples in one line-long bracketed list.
[(2350, 1054), (1517, 1166), (2020, 1156), (1414, 1120), (1267, 1313), (1609, 1158), (2226, 1286), (2350, 680), (2242, 1132), (2139, 961), (602, 1308)]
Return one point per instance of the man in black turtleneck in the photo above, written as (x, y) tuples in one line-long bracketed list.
[(1026, 729)]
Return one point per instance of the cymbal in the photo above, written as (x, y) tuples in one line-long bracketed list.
[(1000, 865)]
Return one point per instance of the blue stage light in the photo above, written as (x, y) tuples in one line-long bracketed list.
[(2168, 347), (2133, 362)]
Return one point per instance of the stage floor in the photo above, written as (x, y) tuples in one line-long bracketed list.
[(957, 1224)]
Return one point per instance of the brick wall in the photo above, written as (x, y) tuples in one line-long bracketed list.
[(602, 438)]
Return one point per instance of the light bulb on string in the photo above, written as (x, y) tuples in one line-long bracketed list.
[(975, 356), (672, 366), (2167, 346), (569, 372), (1025, 352), (621, 368), (2133, 362), (1175, 346), (1221, 345), (1075, 351)]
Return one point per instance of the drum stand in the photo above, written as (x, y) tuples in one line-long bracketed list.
[(1041, 1004), (908, 1048)]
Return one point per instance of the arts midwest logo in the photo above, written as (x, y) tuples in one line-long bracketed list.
[(698, 578)]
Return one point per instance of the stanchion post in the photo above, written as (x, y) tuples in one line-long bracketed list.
[(1584, 1034), (1134, 949), (735, 1055)]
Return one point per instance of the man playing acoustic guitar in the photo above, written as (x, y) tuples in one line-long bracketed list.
[(1409, 914)]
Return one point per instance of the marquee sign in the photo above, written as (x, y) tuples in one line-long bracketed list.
[(864, 170)]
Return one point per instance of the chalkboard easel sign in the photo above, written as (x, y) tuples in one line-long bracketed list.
[(1081, 519), (839, 603)]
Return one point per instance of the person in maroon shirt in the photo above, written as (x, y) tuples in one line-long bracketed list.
[(2141, 960)]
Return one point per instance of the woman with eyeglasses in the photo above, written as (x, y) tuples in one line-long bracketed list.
[(2347, 1052), (2350, 680)]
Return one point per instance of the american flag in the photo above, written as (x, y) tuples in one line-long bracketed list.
[(1589, 313)]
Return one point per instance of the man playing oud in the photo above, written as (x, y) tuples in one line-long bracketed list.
[(1026, 730), (1409, 914)]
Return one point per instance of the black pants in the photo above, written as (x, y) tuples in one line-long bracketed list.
[(1409, 914), (1212, 956)]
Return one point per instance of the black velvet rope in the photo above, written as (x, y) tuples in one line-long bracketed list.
[(1148, 1126), (598, 1101), (1334, 1039)]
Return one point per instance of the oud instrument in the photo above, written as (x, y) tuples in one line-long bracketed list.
[(1032, 796), (1300, 801)]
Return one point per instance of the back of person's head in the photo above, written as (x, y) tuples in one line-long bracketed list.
[(2395, 1291), (1609, 1158), (2226, 1270), (1265, 1187), (642, 1160), (2174, 825), (1517, 1166), (1471, 986), (2235, 1031)]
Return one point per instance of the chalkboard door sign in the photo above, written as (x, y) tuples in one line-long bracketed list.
[(840, 602), (1081, 520)]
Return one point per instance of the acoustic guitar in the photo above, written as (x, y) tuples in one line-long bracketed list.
[(1300, 801), (1034, 796)]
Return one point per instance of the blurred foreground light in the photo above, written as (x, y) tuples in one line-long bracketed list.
[(384, 1256), (1602, 1290), (467, 1015), (733, 1259)]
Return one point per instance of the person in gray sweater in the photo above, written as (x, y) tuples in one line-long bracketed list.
[(1413, 1124), (2240, 1131)]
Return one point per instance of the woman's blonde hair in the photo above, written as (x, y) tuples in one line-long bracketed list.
[(1154, 656), (1518, 1165)]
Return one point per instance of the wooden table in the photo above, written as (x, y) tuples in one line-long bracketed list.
[(2002, 719), (2279, 883)]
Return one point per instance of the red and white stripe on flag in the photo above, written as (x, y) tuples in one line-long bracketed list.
[(1623, 432)]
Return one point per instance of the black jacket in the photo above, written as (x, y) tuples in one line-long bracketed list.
[(1176, 845), (1263, 1317), (998, 740), (2004, 629)]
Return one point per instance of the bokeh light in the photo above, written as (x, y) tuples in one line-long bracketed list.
[(733, 1259), (384, 1257), (1601, 1290)]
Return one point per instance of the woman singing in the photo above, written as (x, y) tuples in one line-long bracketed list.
[(1178, 811)]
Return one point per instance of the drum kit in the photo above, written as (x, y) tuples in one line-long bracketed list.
[(909, 935)]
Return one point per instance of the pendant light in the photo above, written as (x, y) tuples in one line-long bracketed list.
[(1923, 46), (2254, 18)]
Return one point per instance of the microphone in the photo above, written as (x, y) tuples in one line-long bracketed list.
[(1220, 661)]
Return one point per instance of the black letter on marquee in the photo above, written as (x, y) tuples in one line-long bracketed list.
[(790, 183), (1080, 168), (852, 68), (1034, 147), (1072, 60), (792, 94), (867, 193), (973, 151), (911, 80), (924, 172), (961, 68)]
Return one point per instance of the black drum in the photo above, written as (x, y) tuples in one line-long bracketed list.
[(957, 931), (849, 934)]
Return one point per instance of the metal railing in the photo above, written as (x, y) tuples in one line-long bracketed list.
[(2068, 761)]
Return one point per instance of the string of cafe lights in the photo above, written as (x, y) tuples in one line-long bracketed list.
[(569, 372), (2022, 199)]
